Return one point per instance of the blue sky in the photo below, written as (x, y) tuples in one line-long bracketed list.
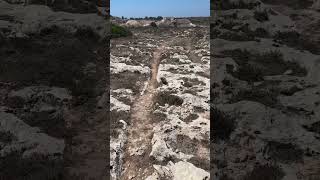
[(177, 8)]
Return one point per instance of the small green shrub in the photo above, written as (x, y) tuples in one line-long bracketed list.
[(118, 31)]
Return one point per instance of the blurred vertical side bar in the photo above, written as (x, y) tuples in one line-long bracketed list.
[(213, 14), (54, 92), (87, 150), (265, 87), (108, 82)]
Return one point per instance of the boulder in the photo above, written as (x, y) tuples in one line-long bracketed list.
[(133, 23), (153, 24), (180, 170), (171, 22), (184, 23), (166, 22)]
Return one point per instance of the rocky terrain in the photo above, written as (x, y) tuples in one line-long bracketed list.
[(159, 104), (166, 22), (264, 93), (265, 90), (53, 92)]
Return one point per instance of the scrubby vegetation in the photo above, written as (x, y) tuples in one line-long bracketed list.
[(115, 117), (163, 98), (35, 167), (296, 4), (223, 125), (6, 137), (248, 73), (253, 66), (261, 15), (284, 152), (119, 31), (296, 40), (265, 81), (265, 172), (227, 4), (58, 63), (128, 80), (266, 97), (233, 36)]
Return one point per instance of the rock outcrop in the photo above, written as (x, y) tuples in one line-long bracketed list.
[(265, 90), (36, 18)]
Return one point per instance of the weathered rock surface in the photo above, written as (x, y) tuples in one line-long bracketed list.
[(178, 118), (265, 90), (21, 21), (53, 97)]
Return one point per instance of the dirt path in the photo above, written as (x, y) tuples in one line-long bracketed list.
[(137, 163)]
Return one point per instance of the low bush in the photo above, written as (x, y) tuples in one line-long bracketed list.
[(227, 4), (296, 40), (163, 98), (267, 63), (265, 172), (284, 152), (223, 125), (35, 167), (118, 31), (6, 137), (266, 97)]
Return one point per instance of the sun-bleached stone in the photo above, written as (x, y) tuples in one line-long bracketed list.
[(182, 170)]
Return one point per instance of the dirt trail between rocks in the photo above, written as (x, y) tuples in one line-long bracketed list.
[(137, 163)]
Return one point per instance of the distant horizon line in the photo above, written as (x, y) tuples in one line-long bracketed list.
[(158, 16)]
